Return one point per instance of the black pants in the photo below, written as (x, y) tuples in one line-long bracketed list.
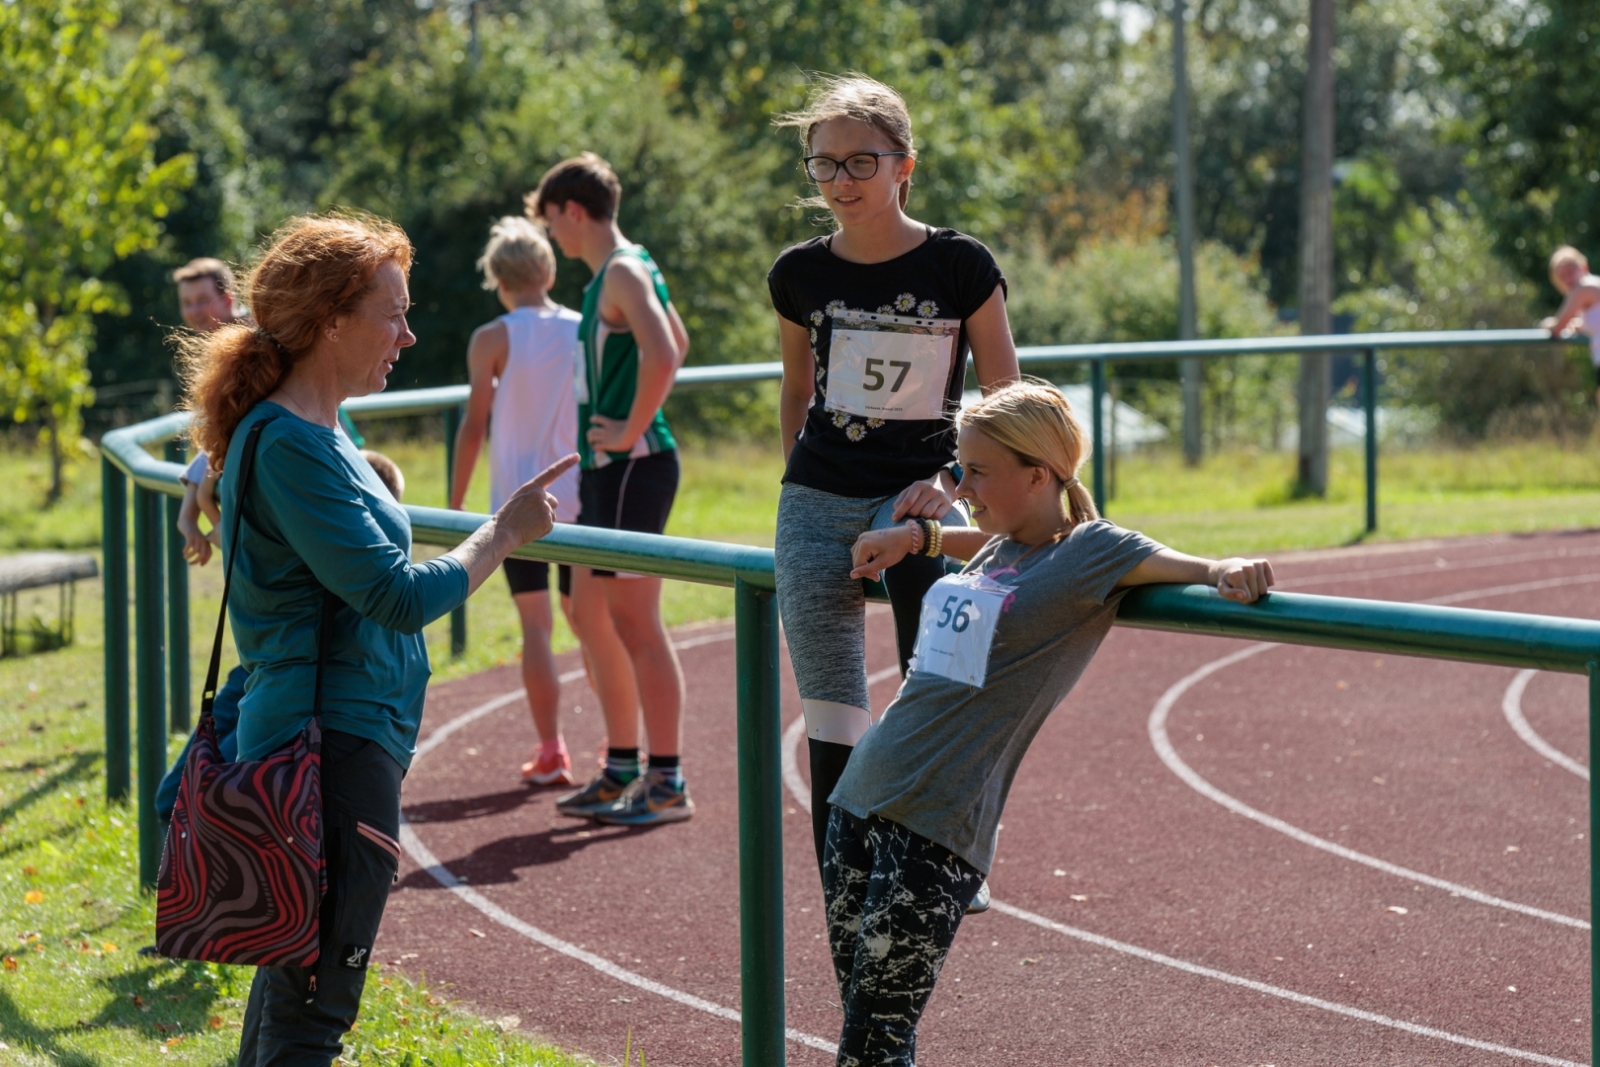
[(894, 901), (907, 582), (296, 1016)]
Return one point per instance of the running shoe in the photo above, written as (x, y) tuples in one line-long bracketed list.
[(601, 792), (980, 902), (548, 765), (647, 802)]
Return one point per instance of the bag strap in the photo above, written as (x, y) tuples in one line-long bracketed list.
[(330, 603)]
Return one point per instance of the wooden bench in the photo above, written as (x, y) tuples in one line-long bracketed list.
[(35, 570)]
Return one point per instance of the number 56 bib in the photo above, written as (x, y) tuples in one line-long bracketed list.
[(890, 366), (958, 619)]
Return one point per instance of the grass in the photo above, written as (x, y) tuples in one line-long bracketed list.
[(73, 990)]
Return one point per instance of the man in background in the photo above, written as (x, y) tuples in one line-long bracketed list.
[(205, 293)]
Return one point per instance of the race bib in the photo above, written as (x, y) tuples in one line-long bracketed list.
[(890, 366), (958, 619)]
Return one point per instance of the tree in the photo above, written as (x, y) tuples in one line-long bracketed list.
[(1533, 122), (1316, 248), (79, 189)]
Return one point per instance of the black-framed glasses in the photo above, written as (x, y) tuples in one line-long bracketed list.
[(860, 166)]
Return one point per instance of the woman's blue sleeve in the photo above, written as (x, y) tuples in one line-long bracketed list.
[(319, 512)]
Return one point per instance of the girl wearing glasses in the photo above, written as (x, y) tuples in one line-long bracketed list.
[(876, 320)]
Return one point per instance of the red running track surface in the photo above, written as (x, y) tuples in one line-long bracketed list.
[(1412, 886)]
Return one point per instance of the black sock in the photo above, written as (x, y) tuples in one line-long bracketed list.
[(827, 765), (622, 764)]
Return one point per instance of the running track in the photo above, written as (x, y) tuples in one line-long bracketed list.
[(1217, 853)]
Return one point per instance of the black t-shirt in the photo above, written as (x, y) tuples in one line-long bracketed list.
[(947, 277)]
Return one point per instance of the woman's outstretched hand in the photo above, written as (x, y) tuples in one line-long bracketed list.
[(877, 550), (531, 511), (1244, 580)]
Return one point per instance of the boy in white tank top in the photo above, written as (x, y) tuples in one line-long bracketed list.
[(521, 369), (1580, 308)]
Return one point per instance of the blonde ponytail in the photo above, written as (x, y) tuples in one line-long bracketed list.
[(1034, 421)]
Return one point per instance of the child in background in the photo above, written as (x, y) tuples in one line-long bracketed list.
[(388, 472), (1580, 306), (521, 368), (912, 824)]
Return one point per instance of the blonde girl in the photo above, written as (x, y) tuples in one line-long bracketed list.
[(911, 833)]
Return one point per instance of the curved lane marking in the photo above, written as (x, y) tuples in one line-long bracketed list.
[(425, 859), (1163, 745), (1340, 577), (802, 795), (1277, 991), (1511, 705)]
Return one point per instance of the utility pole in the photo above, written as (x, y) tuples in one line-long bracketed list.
[(1316, 249), (1190, 368)]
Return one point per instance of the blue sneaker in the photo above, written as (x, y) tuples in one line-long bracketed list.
[(648, 801), (601, 792)]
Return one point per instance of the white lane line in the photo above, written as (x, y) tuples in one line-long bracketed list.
[(1519, 587), (440, 735), (1448, 566), (802, 795), (1511, 705), (1163, 745), (1276, 991), (425, 859), (441, 874)]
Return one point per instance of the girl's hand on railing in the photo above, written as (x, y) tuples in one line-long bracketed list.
[(531, 511), (196, 546), (1244, 580), (877, 550)]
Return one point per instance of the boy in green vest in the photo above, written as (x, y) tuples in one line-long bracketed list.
[(631, 343)]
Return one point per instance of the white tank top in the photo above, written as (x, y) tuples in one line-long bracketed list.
[(1591, 325), (534, 421)]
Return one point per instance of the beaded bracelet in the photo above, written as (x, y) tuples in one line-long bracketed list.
[(917, 538)]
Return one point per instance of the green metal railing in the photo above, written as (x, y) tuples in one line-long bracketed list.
[(160, 601)]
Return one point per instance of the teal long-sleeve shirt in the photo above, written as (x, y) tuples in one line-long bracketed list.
[(315, 517)]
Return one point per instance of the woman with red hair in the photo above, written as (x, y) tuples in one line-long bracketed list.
[(330, 297)]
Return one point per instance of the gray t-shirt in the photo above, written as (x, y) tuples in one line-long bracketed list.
[(941, 760)]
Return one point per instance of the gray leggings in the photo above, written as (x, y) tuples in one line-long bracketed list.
[(823, 608)]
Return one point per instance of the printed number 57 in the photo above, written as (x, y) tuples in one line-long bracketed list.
[(874, 378), (957, 620)]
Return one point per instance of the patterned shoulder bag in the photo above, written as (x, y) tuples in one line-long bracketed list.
[(243, 874)]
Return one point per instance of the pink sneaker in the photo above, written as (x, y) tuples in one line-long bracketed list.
[(550, 765)]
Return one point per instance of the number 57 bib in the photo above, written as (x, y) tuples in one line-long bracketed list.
[(958, 618), (890, 366)]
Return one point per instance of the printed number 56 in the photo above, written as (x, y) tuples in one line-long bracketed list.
[(874, 377), (957, 620)]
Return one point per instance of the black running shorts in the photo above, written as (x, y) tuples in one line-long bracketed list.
[(533, 576), (634, 494)]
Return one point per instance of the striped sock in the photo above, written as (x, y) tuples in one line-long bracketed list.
[(668, 771), (622, 764)]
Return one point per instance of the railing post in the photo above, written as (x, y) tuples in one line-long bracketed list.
[(178, 608), (760, 828), (1097, 420), (1369, 404), (1594, 862), (458, 616), (149, 519), (114, 565)]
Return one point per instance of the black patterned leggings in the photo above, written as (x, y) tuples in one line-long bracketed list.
[(894, 901)]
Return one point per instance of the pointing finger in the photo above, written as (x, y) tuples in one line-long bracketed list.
[(554, 471)]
